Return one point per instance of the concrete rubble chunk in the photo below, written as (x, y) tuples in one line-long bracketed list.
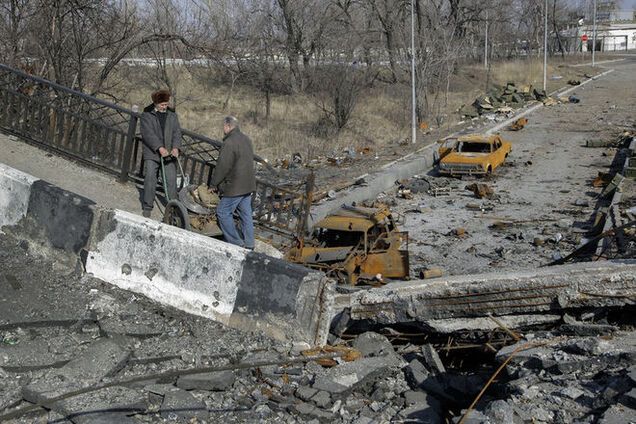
[(33, 354), (412, 397), (373, 344), (426, 411), (133, 327), (431, 358), (618, 414), (629, 398), (212, 381), (181, 405), (101, 359), (475, 417), (9, 390), (112, 404), (586, 329), (352, 375), (631, 372), (305, 392), (311, 411), (500, 411), (322, 399), (416, 373)]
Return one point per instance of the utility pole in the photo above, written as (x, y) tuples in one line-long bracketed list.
[(545, 45), (486, 44), (594, 37), (413, 118)]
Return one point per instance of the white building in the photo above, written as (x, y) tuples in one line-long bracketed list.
[(610, 37)]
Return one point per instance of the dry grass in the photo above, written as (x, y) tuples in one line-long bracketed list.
[(382, 115)]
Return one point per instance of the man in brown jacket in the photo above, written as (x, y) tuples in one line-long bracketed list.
[(235, 181)]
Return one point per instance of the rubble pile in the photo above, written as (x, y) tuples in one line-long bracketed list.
[(502, 100), (499, 103), (581, 372)]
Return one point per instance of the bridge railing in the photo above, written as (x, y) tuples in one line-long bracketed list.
[(106, 136)]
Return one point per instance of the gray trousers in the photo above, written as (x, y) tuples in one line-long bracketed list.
[(152, 171)]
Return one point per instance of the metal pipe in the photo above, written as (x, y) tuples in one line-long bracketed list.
[(413, 117), (486, 44), (545, 46), (594, 37)]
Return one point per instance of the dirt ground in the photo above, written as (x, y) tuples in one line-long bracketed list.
[(544, 188)]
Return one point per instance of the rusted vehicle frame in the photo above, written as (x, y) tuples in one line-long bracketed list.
[(372, 250)]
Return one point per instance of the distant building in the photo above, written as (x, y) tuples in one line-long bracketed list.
[(610, 37)]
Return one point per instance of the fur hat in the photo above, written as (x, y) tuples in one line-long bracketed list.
[(160, 96)]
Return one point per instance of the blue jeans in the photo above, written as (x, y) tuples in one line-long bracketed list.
[(225, 214)]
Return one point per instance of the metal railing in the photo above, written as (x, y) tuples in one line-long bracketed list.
[(106, 136)]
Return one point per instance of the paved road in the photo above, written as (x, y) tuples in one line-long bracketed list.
[(548, 172), (102, 188)]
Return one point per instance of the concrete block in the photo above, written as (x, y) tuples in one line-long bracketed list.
[(500, 294), (15, 190)]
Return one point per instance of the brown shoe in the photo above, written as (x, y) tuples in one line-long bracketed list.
[(146, 213)]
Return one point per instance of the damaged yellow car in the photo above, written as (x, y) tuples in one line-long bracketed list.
[(356, 244), (473, 154)]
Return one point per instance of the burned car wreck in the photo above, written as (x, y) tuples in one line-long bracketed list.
[(356, 244)]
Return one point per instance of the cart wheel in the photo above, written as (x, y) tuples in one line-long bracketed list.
[(177, 215)]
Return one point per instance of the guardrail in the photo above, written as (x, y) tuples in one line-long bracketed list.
[(106, 136)]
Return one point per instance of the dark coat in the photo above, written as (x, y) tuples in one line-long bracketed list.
[(234, 172), (151, 134)]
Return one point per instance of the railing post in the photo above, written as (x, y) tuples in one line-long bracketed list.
[(128, 148), (306, 209)]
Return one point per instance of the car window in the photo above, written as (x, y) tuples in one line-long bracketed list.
[(465, 147)]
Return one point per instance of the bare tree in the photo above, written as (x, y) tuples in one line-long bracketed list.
[(14, 21)]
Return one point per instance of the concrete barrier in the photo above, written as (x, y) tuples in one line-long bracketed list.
[(208, 277), (197, 274), (15, 190)]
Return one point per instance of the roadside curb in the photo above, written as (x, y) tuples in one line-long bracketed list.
[(196, 274)]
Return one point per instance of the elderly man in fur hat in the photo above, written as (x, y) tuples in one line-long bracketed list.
[(161, 135)]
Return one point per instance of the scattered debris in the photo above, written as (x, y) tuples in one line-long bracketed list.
[(433, 272), (519, 124), (574, 82), (481, 190)]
